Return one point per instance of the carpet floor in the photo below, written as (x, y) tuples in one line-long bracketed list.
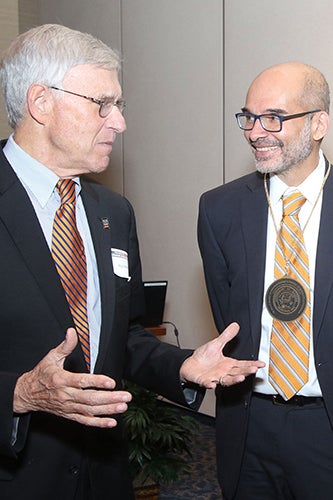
[(201, 482)]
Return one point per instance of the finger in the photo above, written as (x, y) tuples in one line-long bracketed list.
[(108, 410), (231, 331), (70, 342), (237, 372), (228, 333), (95, 398), (243, 365), (67, 346), (102, 410), (103, 423), (92, 381)]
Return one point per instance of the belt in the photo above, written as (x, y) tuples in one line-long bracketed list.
[(276, 399)]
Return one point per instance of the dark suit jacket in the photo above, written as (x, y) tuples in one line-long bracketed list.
[(232, 237), (49, 453)]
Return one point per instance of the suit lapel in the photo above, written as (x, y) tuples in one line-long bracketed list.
[(324, 268), (102, 239), (254, 226), (18, 215)]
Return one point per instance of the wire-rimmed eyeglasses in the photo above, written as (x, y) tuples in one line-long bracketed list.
[(271, 122), (105, 105)]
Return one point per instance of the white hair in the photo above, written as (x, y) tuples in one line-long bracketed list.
[(44, 55)]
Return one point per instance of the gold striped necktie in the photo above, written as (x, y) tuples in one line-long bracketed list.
[(290, 340), (69, 256)]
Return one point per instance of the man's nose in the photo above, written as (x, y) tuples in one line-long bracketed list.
[(116, 120), (257, 130)]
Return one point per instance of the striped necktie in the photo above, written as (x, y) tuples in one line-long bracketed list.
[(290, 340), (68, 254)]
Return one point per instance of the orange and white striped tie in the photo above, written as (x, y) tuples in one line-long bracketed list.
[(290, 340), (69, 256)]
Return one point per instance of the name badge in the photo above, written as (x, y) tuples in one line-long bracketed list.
[(120, 263)]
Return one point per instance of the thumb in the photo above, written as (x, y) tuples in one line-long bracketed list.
[(229, 333), (68, 345)]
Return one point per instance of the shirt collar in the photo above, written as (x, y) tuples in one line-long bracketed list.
[(39, 179)]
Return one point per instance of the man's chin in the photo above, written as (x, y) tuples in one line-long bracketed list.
[(262, 167), (101, 165), (265, 168), (262, 170), (97, 169)]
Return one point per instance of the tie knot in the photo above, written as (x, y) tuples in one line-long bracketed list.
[(292, 203), (66, 189)]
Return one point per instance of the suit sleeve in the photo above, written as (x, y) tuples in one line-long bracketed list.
[(215, 265), (150, 362), (13, 429)]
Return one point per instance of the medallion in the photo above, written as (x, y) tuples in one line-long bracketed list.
[(285, 299)]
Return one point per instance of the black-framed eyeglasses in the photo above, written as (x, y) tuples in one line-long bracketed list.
[(271, 122), (105, 105)]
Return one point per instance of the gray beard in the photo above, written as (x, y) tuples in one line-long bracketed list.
[(292, 154)]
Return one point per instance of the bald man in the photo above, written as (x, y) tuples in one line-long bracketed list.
[(266, 241)]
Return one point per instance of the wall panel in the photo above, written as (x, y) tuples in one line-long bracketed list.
[(9, 28), (173, 145)]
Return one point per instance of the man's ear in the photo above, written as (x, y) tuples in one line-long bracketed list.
[(38, 102), (320, 124)]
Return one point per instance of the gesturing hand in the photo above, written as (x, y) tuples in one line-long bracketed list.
[(208, 367), (85, 398)]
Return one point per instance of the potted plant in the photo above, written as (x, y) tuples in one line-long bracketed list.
[(159, 437)]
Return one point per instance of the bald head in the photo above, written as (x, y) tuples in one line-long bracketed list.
[(296, 81)]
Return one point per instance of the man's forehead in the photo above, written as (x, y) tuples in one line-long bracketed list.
[(273, 91), (94, 78)]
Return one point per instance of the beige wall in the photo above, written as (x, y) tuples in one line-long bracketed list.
[(9, 28), (173, 148), (28, 14), (15, 16)]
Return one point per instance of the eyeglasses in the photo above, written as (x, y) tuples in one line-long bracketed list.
[(271, 122), (105, 105)]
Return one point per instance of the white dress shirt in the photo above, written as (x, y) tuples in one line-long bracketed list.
[(310, 188)]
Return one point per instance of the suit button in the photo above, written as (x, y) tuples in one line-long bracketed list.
[(74, 470)]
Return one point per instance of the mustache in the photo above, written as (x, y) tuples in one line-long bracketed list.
[(264, 143)]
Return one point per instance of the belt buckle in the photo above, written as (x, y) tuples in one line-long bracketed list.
[(278, 400)]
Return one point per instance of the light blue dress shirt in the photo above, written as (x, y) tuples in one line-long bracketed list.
[(40, 184)]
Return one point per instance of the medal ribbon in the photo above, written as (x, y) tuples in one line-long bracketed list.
[(290, 340)]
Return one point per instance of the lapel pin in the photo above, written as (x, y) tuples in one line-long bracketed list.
[(105, 223)]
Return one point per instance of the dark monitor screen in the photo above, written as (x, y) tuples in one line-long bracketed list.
[(155, 293)]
